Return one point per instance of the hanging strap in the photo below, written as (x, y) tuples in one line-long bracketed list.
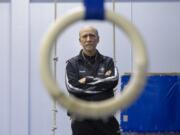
[(94, 9)]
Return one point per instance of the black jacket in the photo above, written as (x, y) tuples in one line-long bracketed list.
[(98, 86)]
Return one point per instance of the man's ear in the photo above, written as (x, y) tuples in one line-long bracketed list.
[(80, 41)]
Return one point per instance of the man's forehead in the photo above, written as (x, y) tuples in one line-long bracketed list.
[(88, 30)]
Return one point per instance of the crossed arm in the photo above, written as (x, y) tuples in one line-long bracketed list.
[(90, 84)]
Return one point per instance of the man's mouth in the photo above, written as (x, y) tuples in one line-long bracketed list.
[(89, 44)]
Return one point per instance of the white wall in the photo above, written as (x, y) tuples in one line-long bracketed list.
[(40, 103), (4, 68), (26, 106), (159, 24), (19, 67)]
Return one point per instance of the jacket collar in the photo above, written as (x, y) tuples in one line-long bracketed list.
[(99, 57)]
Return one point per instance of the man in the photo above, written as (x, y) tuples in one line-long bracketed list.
[(91, 76)]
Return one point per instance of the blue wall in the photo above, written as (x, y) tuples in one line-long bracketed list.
[(157, 109)]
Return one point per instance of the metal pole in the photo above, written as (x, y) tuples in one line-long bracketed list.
[(55, 59), (114, 36)]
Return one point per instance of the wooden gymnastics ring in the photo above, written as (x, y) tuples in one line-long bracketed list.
[(100, 109)]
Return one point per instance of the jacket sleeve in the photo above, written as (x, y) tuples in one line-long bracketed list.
[(72, 82), (109, 81)]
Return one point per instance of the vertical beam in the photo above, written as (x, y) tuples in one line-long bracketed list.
[(19, 67), (4, 68)]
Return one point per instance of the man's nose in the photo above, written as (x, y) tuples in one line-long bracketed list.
[(88, 38)]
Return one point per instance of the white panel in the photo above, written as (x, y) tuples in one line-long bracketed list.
[(159, 24), (19, 67), (41, 16), (123, 45), (4, 69)]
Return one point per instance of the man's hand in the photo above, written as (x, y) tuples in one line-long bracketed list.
[(108, 73), (87, 79), (82, 80)]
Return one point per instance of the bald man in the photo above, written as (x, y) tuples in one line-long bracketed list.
[(82, 73)]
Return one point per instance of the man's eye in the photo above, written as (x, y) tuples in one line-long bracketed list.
[(90, 35), (85, 36)]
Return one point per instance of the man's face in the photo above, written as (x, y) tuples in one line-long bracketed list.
[(89, 39)]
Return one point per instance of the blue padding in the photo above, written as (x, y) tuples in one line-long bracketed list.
[(94, 9), (158, 108)]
